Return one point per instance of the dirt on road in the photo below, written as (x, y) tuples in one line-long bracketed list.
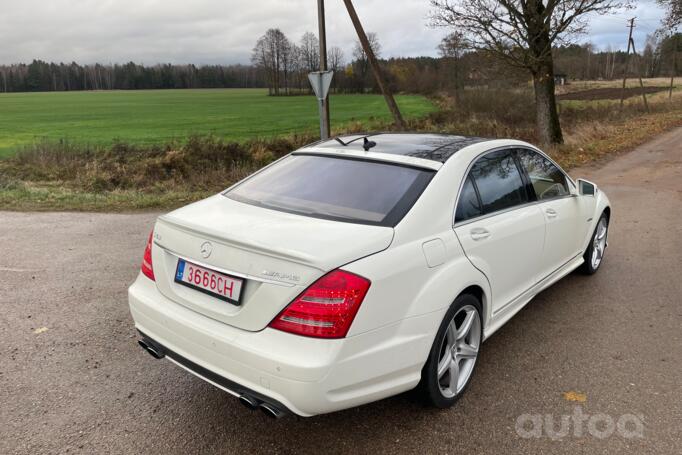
[(608, 347)]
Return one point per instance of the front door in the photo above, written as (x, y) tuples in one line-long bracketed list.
[(565, 229), (501, 232)]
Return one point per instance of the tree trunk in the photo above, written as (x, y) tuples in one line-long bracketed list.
[(547, 117)]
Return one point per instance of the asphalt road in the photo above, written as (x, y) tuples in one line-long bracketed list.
[(72, 378)]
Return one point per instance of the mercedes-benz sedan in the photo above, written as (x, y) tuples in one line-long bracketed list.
[(362, 267)]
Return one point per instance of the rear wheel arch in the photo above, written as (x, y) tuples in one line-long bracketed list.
[(477, 292)]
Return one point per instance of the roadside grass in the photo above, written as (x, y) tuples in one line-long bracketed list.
[(128, 177), (157, 117)]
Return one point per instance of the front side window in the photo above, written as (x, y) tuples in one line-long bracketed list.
[(548, 181), (340, 189), (499, 181)]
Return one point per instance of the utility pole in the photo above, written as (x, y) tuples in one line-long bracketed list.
[(392, 106), (631, 44), (325, 127), (641, 84), (627, 61)]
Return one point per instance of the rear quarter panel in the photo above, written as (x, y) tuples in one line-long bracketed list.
[(403, 283)]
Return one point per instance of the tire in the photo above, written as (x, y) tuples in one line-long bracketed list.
[(594, 254), (459, 348)]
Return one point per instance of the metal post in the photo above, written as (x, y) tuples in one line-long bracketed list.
[(324, 104), (641, 84), (627, 61)]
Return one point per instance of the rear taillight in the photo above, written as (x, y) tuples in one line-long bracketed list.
[(147, 266), (327, 308)]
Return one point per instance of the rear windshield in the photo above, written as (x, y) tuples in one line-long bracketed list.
[(340, 189)]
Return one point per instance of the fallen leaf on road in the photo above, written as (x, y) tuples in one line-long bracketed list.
[(575, 396), (40, 330)]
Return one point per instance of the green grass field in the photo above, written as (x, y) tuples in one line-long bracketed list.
[(159, 116)]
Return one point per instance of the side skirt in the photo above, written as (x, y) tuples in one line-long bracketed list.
[(507, 312)]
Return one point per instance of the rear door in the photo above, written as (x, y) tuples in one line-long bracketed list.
[(501, 231), (564, 233)]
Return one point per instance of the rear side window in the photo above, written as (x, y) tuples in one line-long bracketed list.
[(339, 189), (499, 181), (548, 181), (468, 206)]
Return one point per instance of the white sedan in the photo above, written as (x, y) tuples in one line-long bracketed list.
[(362, 267)]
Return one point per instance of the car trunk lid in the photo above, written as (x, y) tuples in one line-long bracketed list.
[(277, 254)]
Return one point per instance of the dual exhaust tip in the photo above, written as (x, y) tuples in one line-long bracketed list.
[(247, 400), (268, 409)]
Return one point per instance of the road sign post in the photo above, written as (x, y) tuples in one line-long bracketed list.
[(323, 60), (321, 81)]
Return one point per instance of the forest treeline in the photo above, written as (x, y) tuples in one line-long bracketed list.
[(282, 65), (40, 76)]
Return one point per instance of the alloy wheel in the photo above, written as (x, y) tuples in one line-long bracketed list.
[(459, 351), (599, 243)]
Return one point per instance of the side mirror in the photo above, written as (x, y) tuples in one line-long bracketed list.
[(586, 188)]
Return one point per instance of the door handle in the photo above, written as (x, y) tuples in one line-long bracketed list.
[(479, 234), (551, 213)]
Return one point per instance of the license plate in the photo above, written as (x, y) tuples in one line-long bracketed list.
[(215, 284)]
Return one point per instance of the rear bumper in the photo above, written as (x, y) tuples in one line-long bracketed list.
[(231, 387), (303, 375)]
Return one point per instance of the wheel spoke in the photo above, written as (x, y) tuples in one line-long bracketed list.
[(454, 376), (451, 334), (464, 330), (444, 364)]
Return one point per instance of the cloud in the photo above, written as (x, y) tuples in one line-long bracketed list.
[(224, 31)]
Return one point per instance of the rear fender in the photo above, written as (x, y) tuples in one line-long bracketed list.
[(404, 286)]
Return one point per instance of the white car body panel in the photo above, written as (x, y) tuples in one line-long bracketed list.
[(253, 243), (509, 256), (417, 269)]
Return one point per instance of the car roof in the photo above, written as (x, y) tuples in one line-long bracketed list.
[(426, 146)]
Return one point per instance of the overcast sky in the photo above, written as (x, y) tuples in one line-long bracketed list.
[(224, 31)]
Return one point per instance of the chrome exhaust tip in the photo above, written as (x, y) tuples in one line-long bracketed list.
[(250, 402), (150, 349), (271, 411)]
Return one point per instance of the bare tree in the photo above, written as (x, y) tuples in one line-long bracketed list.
[(336, 59), (271, 53), (374, 44), (361, 61), (673, 17), (310, 52), (452, 48), (522, 32)]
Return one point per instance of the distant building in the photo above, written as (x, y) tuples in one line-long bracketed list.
[(560, 79)]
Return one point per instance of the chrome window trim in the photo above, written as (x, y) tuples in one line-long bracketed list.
[(456, 224)]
